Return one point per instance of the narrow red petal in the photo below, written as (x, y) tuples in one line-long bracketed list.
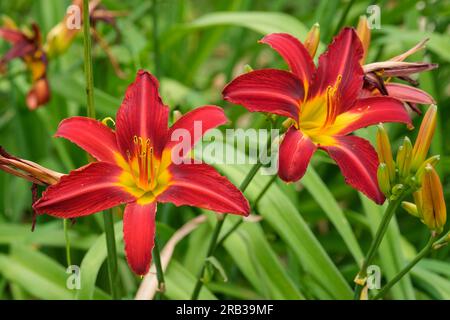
[(200, 185), (142, 114), (370, 111), (358, 162), (84, 191), (296, 151), (12, 35), (269, 90), (341, 59), (194, 124), (92, 136), (294, 53), (408, 93), (139, 235)]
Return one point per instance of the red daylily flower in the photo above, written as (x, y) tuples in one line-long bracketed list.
[(28, 47), (325, 106), (135, 168)]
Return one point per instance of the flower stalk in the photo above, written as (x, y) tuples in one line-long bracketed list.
[(431, 245), (361, 277), (107, 216), (215, 237)]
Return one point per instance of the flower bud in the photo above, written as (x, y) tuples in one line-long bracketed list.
[(385, 153), (176, 115), (434, 213), (248, 68), (363, 32), (383, 179), (404, 157), (411, 208), (313, 39), (424, 137), (433, 161)]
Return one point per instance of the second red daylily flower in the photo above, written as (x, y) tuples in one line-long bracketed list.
[(28, 47), (135, 167), (325, 106)]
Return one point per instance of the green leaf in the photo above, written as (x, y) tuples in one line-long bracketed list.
[(92, 262), (324, 198), (180, 283), (438, 43), (259, 263), (278, 210), (38, 274)]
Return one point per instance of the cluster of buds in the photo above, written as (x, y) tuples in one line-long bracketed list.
[(412, 172)]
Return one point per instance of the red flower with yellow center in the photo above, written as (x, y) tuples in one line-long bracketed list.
[(135, 167), (325, 106)]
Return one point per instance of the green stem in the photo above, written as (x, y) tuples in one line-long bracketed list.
[(157, 71), (159, 270), (431, 244), (360, 279), (107, 216), (112, 254), (218, 228), (156, 59), (406, 269), (254, 206), (88, 71), (66, 237)]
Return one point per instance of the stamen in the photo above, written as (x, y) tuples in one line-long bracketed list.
[(332, 102)]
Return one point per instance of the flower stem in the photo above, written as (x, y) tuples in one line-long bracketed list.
[(88, 61), (159, 270), (431, 244), (255, 204), (406, 269), (360, 279), (66, 237), (107, 216), (156, 59), (218, 228), (157, 72), (112, 253)]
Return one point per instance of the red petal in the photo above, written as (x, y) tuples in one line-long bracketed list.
[(296, 151), (12, 35), (370, 111), (294, 53), (139, 235), (142, 114), (358, 162), (200, 185), (341, 58), (91, 135), (409, 94), (84, 191), (268, 90), (203, 118)]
